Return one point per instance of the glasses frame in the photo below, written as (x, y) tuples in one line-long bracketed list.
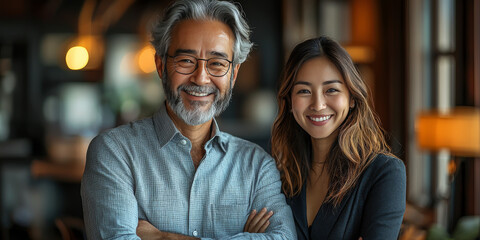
[(196, 64)]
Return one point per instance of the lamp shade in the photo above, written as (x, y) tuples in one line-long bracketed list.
[(458, 131)]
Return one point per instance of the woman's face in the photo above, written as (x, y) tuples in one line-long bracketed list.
[(320, 99)]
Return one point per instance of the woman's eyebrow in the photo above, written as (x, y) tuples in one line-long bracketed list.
[(332, 82), (302, 83), (324, 83)]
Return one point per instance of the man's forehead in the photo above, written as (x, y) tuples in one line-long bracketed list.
[(209, 37)]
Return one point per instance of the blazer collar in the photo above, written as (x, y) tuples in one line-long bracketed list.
[(299, 209), (298, 204)]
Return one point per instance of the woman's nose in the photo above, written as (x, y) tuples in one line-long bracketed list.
[(318, 102)]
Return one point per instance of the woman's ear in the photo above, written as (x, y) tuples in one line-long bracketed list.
[(352, 103)]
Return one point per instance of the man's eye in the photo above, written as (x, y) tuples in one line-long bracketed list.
[(217, 63), (185, 60)]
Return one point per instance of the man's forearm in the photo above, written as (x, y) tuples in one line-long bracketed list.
[(175, 236), (147, 231)]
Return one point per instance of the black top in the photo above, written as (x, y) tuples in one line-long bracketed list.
[(373, 209)]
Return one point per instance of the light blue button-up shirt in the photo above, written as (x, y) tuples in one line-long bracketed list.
[(144, 170)]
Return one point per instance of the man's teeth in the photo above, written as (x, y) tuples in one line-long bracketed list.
[(320, 119), (197, 94)]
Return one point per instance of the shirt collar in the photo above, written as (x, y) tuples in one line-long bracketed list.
[(164, 126), (219, 135), (166, 130)]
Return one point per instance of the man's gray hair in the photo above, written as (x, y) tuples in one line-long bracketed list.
[(223, 11)]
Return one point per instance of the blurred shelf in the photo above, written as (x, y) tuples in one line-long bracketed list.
[(64, 172), (15, 148)]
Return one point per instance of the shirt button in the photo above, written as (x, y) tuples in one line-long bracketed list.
[(195, 233), (183, 142)]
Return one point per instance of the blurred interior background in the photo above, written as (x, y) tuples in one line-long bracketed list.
[(70, 69)]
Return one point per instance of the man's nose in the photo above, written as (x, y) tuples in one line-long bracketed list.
[(201, 76), (318, 102)]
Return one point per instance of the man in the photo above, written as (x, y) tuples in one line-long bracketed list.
[(176, 171)]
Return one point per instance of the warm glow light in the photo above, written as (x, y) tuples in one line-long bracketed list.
[(360, 54), (77, 58), (146, 59), (457, 131), (452, 167)]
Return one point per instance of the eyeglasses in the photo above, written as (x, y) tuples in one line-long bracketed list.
[(186, 64)]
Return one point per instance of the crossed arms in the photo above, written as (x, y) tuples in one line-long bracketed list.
[(113, 202)]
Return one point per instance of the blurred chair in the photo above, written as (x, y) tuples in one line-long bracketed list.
[(71, 228)]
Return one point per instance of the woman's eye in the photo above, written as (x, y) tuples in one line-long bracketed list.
[(332, 90), (303, 91)]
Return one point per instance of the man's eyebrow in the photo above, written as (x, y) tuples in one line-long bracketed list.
[(219, 54), (184, 51), (193, 52)]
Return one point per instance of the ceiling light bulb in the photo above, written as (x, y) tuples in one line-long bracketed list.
[(77, 58)]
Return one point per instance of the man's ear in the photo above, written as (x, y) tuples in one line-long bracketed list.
[(235, 72), (159, 65)]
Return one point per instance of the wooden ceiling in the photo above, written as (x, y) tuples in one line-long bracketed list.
[(64, 15)]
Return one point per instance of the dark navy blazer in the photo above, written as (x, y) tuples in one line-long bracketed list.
[(373, 209)]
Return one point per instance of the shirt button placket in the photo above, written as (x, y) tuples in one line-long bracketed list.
[(196, 205)]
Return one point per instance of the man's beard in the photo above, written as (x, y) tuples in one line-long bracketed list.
[(196, 115)]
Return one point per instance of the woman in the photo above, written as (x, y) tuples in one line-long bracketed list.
[(337, 171)]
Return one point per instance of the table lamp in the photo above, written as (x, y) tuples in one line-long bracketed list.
[(456, 130)]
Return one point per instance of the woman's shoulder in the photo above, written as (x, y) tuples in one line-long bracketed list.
[(386, 162), (385, 166)]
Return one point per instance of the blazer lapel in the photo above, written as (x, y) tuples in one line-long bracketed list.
[(330, 216), (297, 203)]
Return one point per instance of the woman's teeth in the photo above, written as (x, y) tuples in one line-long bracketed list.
[(320, 119)]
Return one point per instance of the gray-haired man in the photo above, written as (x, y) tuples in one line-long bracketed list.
[(176, 171)]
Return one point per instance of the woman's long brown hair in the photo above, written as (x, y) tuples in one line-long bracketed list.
[(360, 136)]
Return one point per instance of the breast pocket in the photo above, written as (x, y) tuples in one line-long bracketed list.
[(228, 219)]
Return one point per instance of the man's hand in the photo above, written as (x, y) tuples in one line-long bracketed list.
[(258, 222), (147, 231)]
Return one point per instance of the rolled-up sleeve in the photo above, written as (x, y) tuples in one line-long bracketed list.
[(109, 204)]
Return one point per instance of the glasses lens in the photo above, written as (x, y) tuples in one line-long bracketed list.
[(218, 66), (185, 64)]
